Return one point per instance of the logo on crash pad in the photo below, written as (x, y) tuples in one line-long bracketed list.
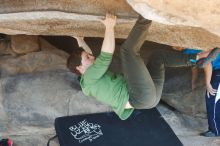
[(85, 131)]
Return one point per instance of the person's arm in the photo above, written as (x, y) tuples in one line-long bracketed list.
[(83, 44), (194, 77), (208, 75), (178, 48), (108, 44), (103, 61)]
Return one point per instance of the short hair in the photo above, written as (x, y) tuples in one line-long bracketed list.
[(74, 60)]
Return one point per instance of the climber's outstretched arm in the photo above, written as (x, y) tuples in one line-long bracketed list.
[(83, 44)]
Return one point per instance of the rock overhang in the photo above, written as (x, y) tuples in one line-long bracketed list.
[(81, 18)]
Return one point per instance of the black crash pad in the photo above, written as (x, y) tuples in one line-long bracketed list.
[(143, 128)]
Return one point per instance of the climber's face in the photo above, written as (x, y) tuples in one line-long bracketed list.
[(86, 61)]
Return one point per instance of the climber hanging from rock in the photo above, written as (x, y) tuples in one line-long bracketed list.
[(140, 87)]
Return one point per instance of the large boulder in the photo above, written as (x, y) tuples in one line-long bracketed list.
[(30, 61), (23, 44), (178, 92), (82, 18), (202, 13), (31, 102)]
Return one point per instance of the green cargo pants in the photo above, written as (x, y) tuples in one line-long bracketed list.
[(145, 84)]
